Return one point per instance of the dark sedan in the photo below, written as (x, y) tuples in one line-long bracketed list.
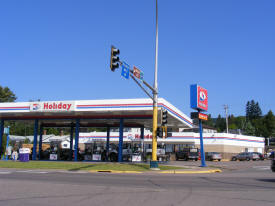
[(246, 156)]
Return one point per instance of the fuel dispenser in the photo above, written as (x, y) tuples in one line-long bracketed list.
[(99, 151), (55, 149), (95, 151), (137, 150)]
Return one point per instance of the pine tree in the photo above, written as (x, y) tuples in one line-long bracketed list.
[(258, 111), (253, 110), (249, 128), (269, 125), (220, 124), (6, 95), (247, 110)]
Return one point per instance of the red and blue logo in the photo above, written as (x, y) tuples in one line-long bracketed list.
[(199, 97), (35, 107)]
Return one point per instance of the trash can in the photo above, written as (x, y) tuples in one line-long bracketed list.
[(24, 154)]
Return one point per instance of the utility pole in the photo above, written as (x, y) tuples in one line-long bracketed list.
[(136, 73), (154, 162), (226, 116)]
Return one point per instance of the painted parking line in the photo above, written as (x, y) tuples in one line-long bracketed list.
[(5, 172), (32, 171), (262, 167)]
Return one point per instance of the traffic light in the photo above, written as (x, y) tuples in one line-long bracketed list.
[(114, 58), (164, 117), (159, 132)]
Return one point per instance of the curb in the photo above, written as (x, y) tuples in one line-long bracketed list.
[(225, 160), (113, 171), (162, 172), (192, 172)]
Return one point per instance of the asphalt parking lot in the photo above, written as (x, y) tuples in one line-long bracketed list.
[(224, 165)]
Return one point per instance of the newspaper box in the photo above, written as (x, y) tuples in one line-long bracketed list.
[(24, 154)]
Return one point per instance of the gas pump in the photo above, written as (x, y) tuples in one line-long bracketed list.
[(126, 152), (55, 149), (137, 150), (98, 150), (88, 151), (161, 152)]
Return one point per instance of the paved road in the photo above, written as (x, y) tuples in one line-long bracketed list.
[(228, 165), (253, 185)]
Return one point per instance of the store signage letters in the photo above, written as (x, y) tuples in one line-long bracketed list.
[(51, 106), (59, 106)]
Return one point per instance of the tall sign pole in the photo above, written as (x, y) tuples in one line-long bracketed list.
[(199, 102), (203, 164), (154, 162)]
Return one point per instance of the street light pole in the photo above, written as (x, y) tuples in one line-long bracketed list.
[(154, 162)]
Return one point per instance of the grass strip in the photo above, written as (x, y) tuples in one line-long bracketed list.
[(76, 166)]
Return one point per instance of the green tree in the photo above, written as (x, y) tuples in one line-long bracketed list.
[(247, 110), (257, 111), (253, 110), (4, 142), (210, 121), (240, 122), (220, 124), (268, 125), (6, 95), (249, 129)]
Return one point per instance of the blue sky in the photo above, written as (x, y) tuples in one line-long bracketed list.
[(60, 50)]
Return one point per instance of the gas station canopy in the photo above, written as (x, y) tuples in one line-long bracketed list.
[(95, 113)]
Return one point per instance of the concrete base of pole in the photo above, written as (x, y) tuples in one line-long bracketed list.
[(154, 165)]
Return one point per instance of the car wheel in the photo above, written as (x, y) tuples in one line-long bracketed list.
[(234, 159), (219, 160), (196, 159), (247, 159)]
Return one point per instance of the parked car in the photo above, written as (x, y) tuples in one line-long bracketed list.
[(188, 154), (246, 156), (260, 155), (213, 156)]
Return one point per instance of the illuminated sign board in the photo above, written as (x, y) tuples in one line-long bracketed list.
[(199, 115), (51, 106), (198, 98), (203, 116)]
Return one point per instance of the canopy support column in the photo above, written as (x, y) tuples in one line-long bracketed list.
[(40, 142), (71, 141), (1, 135), (35, 139), (76, 139), (120, 145), (108, 143), (142, 140)]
